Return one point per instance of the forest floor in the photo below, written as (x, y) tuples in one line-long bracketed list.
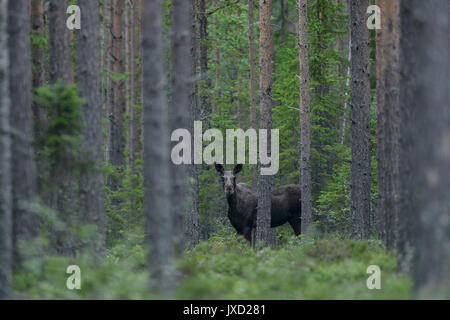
[(225, 267)]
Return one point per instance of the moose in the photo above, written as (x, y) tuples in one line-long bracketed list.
[(243, 201)]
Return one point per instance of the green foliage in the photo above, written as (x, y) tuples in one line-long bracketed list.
[(223, 268), (122, 275), (124, 206), (62, 137)]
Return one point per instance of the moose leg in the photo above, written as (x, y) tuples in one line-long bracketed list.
[(247, 232), (296, 224)]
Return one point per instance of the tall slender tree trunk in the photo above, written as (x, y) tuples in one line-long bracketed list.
[(425, 141), (217, 62), (305, 131), (107, 92), (192, 229), (38, 63), (117, 85), (91, 179), (253, 116), (204, 67), (156, 151), (60, 56), (62, 174), (25, 220), (264, 234), (137, 66), (388, 82), (127, 31), (360, 125), (6, 228), (38, 59), (240, 111), (180, 105)]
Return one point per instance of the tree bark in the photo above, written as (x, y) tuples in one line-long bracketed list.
[(388, 77), (6, 247), (253, 115), (305, 131), (91, 179), (62, 173), (137, 66), (192, 229), (156, 151), (59, 42), (360, 122), (25, 220), (265, 235), (204, 68), (425, 141), (117, 85), (38, 59), (128, 35), (180, 105)]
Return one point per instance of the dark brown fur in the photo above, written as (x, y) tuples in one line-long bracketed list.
[(242, 204)]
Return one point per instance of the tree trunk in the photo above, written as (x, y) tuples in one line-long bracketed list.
[(204, 68), (388, 77), (25, 220), (117, 84), (264, 234), (253, 116), (156, 151), (62, 173), (425, 141), (180, 105), (137, 67), (38, 59), (305, 131), (91, 179), (60, 56), (360, 122), (6, 248), (128, 33), (192, 229)]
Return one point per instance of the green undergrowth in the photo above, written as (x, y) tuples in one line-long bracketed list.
[(224, 267)]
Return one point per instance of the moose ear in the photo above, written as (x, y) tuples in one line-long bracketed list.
[(237, 168), (219, 167)]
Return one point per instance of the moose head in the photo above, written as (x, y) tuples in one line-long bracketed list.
[(228, 178)]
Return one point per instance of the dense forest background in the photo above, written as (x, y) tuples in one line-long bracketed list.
[(86, 177)]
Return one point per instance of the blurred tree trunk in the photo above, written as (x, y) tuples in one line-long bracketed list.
[(425, 141), (192, 229), (204, 68), (129, 92), (107, 79), (38, 59), (305, 131), (264, 234), (240, 111), (62, 173), (25, 220), (180, 106), (38, 63), (360, 122), (91, 178), (6, 248), (217, 62), (156, 151), (253, 116), (60, 56), (388, 77), (117, 86), (137, 67)]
